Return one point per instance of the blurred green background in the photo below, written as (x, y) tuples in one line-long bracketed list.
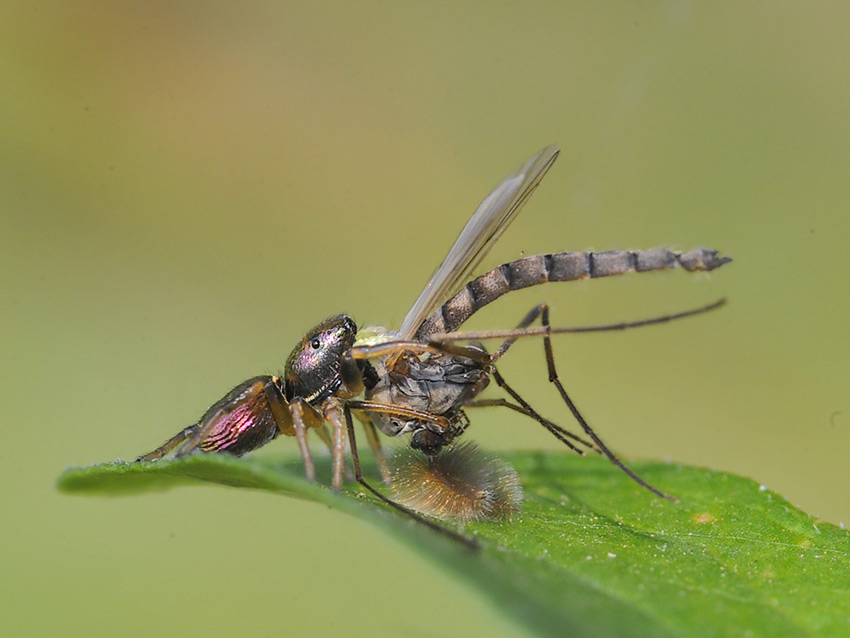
[(185, 188)]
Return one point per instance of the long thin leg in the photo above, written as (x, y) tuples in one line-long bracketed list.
[(444, 343), (410, 413), (527, 320), (439, 338), (299, 425), (557, 431), (501, 402), (553, 378), (500, 381), (470, 543), (390, 348), (332, 411), (323, 434), (375, 443)]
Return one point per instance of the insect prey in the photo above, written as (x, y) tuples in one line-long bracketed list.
[(420, 379)]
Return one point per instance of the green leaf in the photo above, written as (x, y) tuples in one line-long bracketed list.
[(593, 554)]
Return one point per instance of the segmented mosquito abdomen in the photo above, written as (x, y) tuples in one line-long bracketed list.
[(566, 266)]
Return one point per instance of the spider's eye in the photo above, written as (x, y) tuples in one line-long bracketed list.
[(315, 343)]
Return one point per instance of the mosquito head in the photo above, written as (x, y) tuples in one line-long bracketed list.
[(314, 369), (427, 441), (430, 440)]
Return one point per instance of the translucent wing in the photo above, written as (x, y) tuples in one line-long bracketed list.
[(482, 230)]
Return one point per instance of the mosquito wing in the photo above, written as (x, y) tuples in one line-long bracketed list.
[(482, 230)]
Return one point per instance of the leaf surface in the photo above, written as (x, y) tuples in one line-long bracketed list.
[(593, 554)]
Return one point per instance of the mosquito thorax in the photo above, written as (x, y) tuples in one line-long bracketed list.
[(374, 335), (314, 369)]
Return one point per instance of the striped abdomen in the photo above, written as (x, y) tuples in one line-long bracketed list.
[(567, 266)]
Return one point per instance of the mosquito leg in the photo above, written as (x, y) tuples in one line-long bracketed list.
[(493, 403), (553, 378), (375, 443), (418, 347), (470, 543), (175, 441), (526, 321), (502, 402), (555, 431), (452, 337), (398, 410)]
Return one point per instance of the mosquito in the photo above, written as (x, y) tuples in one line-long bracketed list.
[(419, 379)]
